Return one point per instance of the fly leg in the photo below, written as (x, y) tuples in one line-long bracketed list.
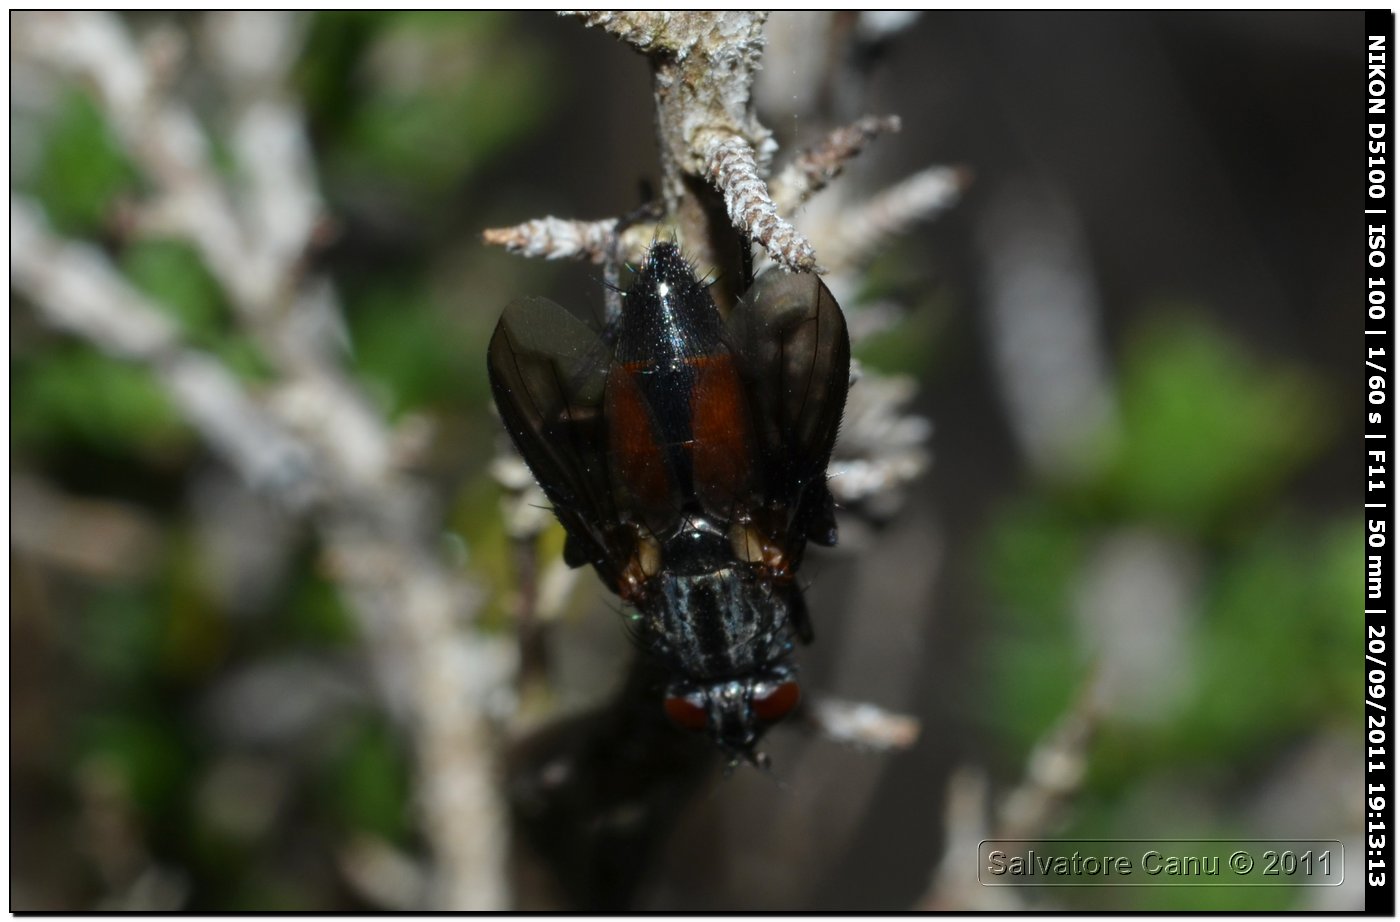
[(801, 620)]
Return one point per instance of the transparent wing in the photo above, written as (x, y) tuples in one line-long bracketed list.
[(547, 371), (790, 339)]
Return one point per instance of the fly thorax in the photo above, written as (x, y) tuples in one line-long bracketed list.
[(724, 622)]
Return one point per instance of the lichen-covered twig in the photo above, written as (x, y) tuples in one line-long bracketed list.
[(557, 238), (714, 152), (1054, 773), (813, 169), (860, 724), (861, 232), (677, 34), (881, 450), (703, 68), (731, 166), (599, 242)]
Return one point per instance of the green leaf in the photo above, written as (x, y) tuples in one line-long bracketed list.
[(82, 170), (1208, 431), (73, 393), (1031, 558), (172, 273), (369, 783), (408, 350), (316, 615), (1276, 653), (439, 94), (143, 752)]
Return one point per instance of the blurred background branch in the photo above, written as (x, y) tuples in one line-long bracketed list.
[(309, 439)]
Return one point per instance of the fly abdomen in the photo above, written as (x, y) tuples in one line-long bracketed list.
[(678, 419)]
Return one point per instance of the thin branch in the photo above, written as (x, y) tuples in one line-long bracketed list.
[(96, 538), (557, 238), (1054, 773), (731, 166), (1043, 327), (954, 886), (857, 723), (881, 449), (1055, 770), (858, 234), (526, 514), (815, 168), (703, 68)]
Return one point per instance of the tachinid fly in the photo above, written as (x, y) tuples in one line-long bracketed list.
[(685, 455)]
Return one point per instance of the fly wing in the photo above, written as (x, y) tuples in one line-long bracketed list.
[(547, 371), (790, 339)]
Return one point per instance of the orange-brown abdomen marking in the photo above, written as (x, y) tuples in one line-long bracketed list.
[(638, 457), (722, 447)]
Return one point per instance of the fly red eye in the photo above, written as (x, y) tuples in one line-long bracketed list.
[(774, 702), (687, 711)]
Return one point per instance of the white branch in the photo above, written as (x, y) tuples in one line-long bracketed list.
[(855, 235), (557, 238), (857, 723), (316, 442), (814, 169), (731, 166)]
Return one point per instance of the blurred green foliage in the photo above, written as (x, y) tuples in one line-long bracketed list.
[(171, 272), (409, 111), (82, 170), (917, 340), (1210, 436), (1031, 557), (367, 783), (1208, 432), (315, 616), (70, 397), (143, 751), (418, 98), (403, 352)]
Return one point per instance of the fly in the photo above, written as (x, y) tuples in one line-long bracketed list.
[(685, 455)]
